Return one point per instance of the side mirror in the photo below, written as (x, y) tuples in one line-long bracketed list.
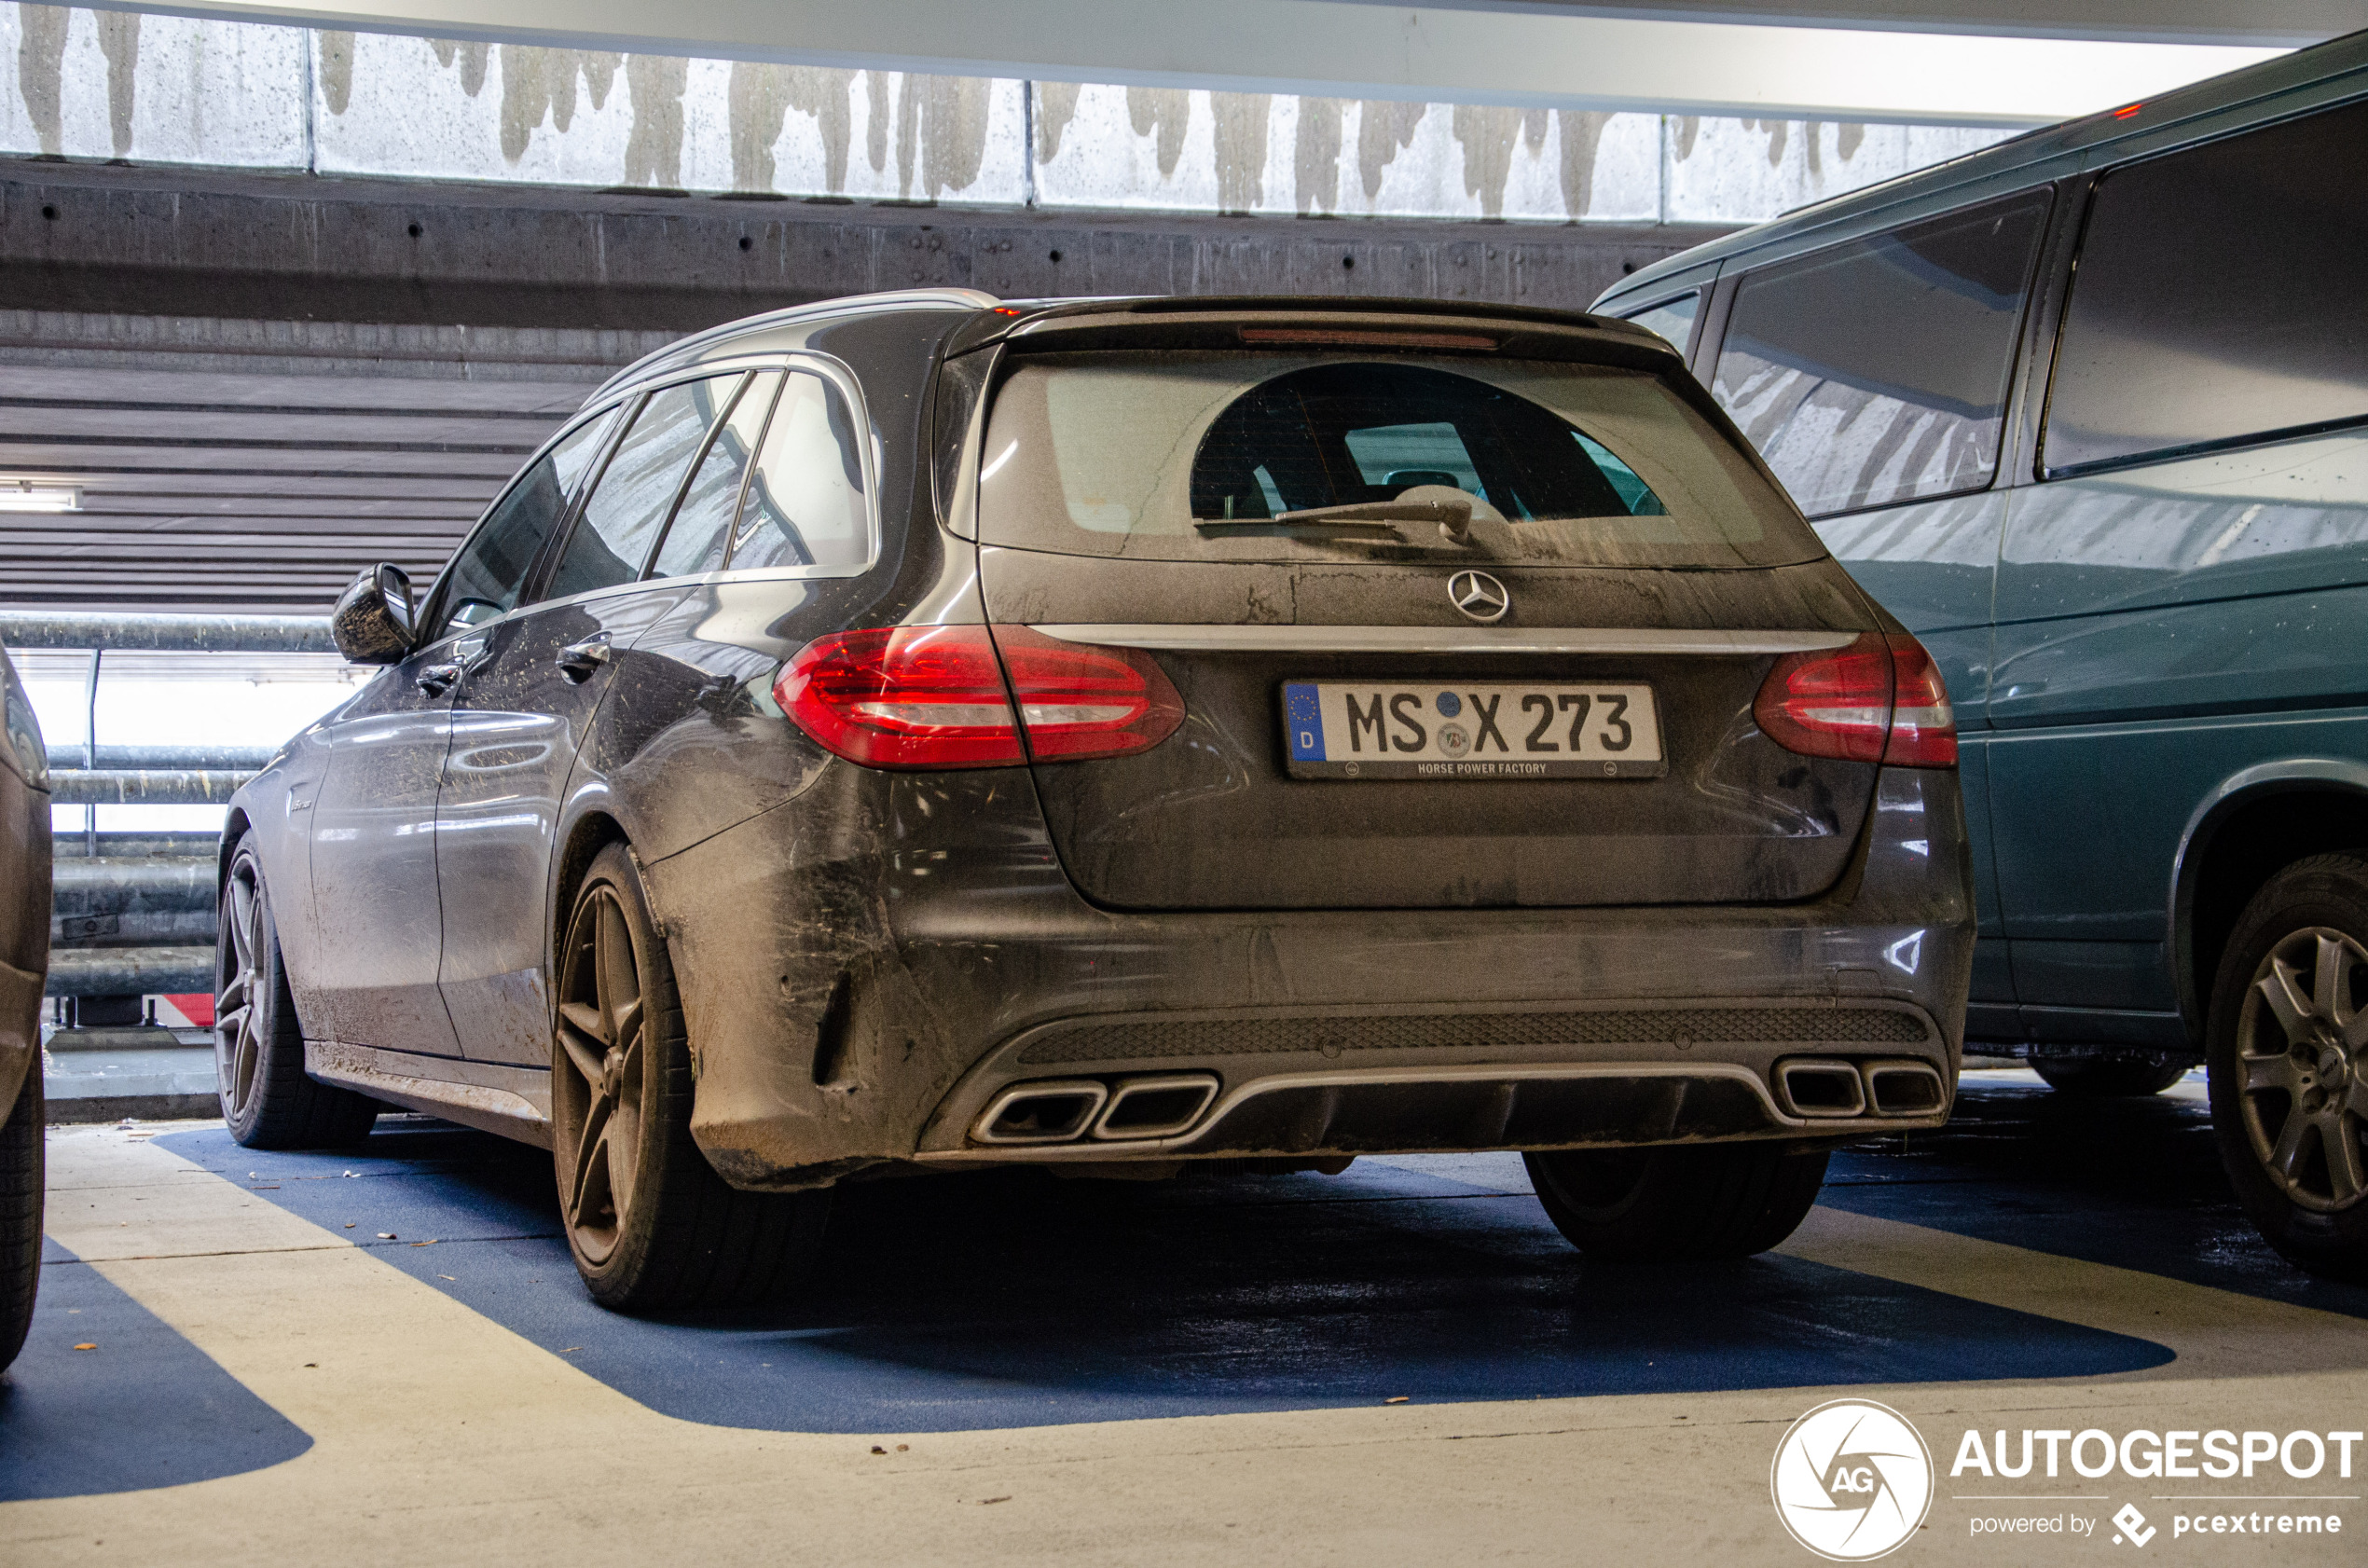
[(372, 621)]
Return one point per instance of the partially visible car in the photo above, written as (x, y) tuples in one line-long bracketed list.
[(24, 965), (2088, 411)]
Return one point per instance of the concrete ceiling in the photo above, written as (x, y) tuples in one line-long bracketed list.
[(1963, 61)]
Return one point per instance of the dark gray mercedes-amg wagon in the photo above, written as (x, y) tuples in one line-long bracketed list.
[(926, 733)]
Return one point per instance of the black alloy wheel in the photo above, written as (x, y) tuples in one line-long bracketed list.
[(258, 1046), (2287, 1045), (1677, 1204), (650, 1224)]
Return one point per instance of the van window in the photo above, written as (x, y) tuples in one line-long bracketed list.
[(1673, 319), (2221, 296), (1876, 371), (636, 491), (804, 505), (492, 568)]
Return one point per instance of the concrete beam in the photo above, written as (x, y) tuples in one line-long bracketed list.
[(1532, 56)]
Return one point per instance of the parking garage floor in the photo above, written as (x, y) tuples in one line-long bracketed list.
[(383, 1354)]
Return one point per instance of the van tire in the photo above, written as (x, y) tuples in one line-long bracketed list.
[(2310, 922), (1676, 1203), (2109, 1077), (650, 1223)]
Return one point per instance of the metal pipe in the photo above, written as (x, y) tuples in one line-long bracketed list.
[(249, 758), (96, 787), (129, 971), (132, 884), (91, 747), (167, 633)]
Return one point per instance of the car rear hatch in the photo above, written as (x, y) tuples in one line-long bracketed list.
[(1458, 616)]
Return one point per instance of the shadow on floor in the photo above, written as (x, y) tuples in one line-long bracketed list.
[(143, 1408)]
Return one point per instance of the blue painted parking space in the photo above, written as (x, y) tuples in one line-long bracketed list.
[(144, 1408), (1008, 1300)]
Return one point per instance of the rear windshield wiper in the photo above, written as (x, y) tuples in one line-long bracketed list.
[(1454, 514)]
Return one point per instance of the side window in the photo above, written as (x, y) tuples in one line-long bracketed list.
[(1673, 319), (1876, 371), (2221, 296), (491, 567), (702, 526), (636, 491), (804, 505)]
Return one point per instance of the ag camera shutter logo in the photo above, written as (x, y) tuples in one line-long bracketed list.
[(1852, 1481)]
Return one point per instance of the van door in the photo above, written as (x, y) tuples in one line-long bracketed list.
[(2187, 593), (1873, 376)]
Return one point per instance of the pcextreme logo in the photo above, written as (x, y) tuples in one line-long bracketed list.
[(1852, 1481)]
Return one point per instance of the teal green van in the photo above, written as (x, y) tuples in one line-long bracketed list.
[(2088, 411)]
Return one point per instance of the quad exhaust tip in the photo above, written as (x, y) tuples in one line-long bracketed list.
[(1829, 1089), (1068, 1109), (1821, 1090), (1053, 1113), (1156, 1108)]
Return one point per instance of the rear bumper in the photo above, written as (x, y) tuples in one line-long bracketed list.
[(850, 1012)]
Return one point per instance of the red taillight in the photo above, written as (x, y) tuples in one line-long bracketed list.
[(1881, 699), (938, 697)]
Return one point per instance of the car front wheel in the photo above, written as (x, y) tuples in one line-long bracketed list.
[(1677, 1203), (2288, 1054), (650, 1222), (20, 1191)]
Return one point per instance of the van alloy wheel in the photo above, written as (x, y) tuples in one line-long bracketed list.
[(2302, 1045), (600, 1028)]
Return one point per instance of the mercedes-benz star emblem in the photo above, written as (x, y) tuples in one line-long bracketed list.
[(1479, 596)]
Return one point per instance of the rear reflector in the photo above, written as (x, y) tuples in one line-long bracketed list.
[(1881, 699), (939, 698)]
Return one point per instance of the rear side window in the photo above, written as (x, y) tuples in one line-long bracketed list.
[(1876, 371), (702, 526), (1208, 456), (806, 505), (491, 567), (1673, 319), (637, 490), (2221, 296)]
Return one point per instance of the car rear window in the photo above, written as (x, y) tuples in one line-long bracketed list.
[(1204, 456)]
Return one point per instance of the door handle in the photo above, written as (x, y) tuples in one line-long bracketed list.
[(436, 680), (578, 660)]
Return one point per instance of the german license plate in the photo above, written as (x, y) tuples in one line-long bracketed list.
[(1348, 729)]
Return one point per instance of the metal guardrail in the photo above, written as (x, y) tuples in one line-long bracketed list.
[(235, 758), (165, 633)]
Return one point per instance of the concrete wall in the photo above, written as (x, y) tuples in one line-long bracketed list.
[(153, 89)]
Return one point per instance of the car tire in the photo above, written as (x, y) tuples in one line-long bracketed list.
[(650, 1224), (21, 1192), (2287, 1050), (259, 1045), (1676, 1203), (2108, 1078)]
